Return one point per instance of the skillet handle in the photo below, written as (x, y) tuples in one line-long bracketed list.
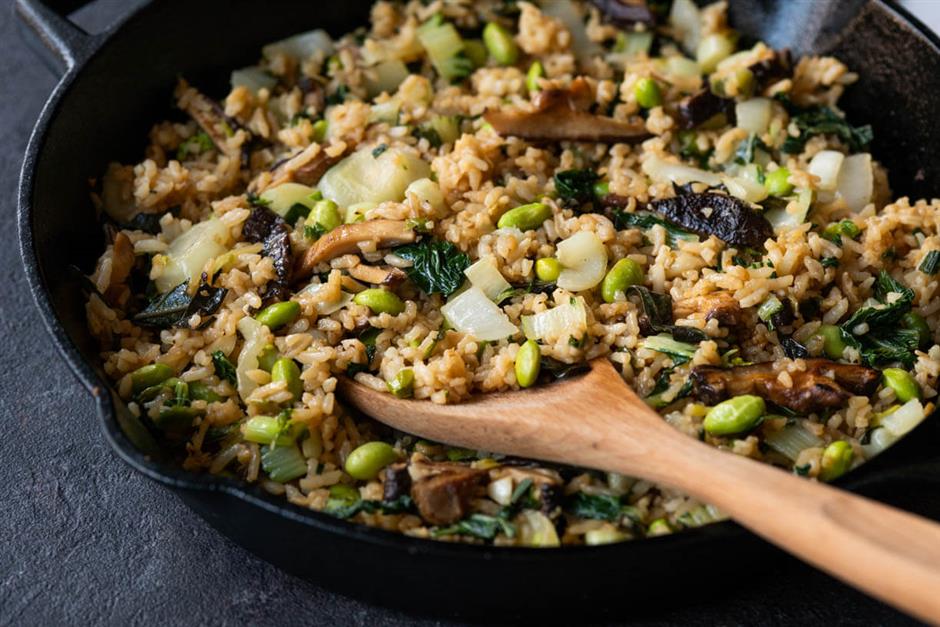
[(59, 41)]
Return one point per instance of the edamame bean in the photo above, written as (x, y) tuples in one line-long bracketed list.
[(500, 44), (286, 370), (528, 364), (403, 384), (267, 357), (536, 71), (777, 183), (601, 189), (659, 527), (916, 322), (345, 493), (836, 460), (833, 344), (326, 214), (547, 269), (525, 217), (149, 375), (647, 93), (380, 301), (319, 131), (622, 275), (902, 382), (735, 415), (366, 461), (276, 315)]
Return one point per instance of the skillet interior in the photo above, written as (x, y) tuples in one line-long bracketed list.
[(104, 110)]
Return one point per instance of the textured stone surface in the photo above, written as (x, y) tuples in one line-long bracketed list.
[(85, 540)]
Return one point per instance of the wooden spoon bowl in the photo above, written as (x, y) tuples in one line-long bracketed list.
[(598, 422)]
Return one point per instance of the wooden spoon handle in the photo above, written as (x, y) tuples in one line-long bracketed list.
[(891, 554)]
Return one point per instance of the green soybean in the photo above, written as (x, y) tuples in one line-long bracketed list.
[(499, 43), (525, 217), (403, 385), (286, 370), (319, 131), (601, 189), (647, 93), (659, 527), (916, 322), (536, 71), (528, 364), (366, 461), (777, 183), (277, 315), (833, 344), (267, 357), (149, 376), (836, 460), (622, 275), (904, 385), (547, 269), (380, 301), (345, 493), (735, 415), (326, 214)]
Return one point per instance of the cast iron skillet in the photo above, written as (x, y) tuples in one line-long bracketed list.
[(116, 84)]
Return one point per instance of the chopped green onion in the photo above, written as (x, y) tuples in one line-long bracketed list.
[(931, 263), (283, 463), (771, 307)]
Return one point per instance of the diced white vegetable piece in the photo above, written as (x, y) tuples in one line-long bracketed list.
[(712, 49), (744, 188), (361, 177), (904, 418), (485, 275), (791, 440), (536, 530), (500, 490), (473, 313), (856, 181), (358, 211), (560, 322), (604, 535), (783, 220), (568, 14), (386, 111), (256, 336), (326, 307), (682, 67), (253, 78), (686, 18), (583, 257), (879, 440), (427, 191), (663, 171), (754, 115), (286, 195), (188, 254), (386, 77), (826, 164), (301, 46)]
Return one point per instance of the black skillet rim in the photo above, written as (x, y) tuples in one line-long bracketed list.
[(254, 496)]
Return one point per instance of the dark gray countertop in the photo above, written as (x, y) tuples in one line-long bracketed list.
[(86, 540)]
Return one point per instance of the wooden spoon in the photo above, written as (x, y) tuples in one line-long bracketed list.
[(597, 421)]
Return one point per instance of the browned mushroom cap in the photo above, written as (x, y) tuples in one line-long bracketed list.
[(560, 114), (122, 262), (442, 490), (823, 385), (306, 167), (538, 476), (626, 13), (377, 275), (345, 239), (721, 306), (208, 114)]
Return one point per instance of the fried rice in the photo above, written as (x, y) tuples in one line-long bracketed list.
[(359, 177)]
